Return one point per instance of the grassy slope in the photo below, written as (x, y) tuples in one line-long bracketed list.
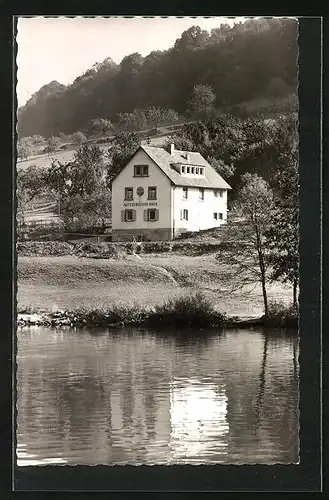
[(48, 283)]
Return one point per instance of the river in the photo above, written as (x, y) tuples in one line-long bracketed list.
[(140, 397)]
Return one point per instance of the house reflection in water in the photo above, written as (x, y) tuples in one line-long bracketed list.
[(198, 414)]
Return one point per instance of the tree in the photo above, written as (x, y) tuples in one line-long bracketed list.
[(134, 121), (123, 146), (24, 148), (277, 88), (100, 126), (53, 144), (226, 171), (202, 101), (78, 137), (283, 233), (247, 253), (31, 182), (155, 116), (82, 212), (80, 186)]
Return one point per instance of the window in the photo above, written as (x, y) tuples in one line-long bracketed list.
[(129, 194), (221, 191), (215, 215), (128, 215), (201, 194), (192, 170), (185, 193), (183, 170), (185, 214), (197, 170), (220, 216), (187, 170), (216, 192), (151, 214), (201, 171), (152, 193), (141, 170)]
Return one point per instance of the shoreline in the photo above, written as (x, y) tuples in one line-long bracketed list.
[(72, 319)]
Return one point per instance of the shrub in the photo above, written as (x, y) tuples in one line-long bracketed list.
[(157, 246), (189, 311), (281, 315), (44, 248)]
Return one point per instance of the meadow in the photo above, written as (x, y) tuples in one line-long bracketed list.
[(69, 282)]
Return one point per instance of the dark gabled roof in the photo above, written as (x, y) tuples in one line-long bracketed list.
[(165, 162)]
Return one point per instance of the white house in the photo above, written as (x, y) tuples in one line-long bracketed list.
[(159, 195)]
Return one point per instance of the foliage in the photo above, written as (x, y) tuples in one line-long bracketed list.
[(134, 121), (52, 144), (25, 148), (248, 255), (202, 101), (283, 233), (277, 88), (123, 146), (78, 137), (189, 311), (238, 62), (281, 316), (99, 126)]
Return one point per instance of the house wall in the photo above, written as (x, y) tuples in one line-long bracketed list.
[(160, 229), (200, 213)]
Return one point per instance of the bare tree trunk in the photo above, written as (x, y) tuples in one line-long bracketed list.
[(295, 287), (262, 268)]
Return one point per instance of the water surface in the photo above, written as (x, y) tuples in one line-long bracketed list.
[(137, 397)]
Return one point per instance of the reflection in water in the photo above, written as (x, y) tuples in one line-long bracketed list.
[(139, 398), (198, 421)]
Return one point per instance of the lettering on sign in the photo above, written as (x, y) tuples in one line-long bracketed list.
[(145, 204)]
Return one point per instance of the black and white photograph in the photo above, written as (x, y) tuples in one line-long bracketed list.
[(157, 229)]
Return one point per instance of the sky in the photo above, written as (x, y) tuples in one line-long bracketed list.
[(62, 48)]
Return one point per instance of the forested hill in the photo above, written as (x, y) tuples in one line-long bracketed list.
[(240, 63)]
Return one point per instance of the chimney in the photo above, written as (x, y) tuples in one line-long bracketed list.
[(172, 148)]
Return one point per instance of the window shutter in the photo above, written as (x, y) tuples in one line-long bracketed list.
[(145, 215), (156, 214), (123, 216), (133, 215), (181, 215)]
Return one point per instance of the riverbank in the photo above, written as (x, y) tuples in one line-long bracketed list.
[(51, 284)]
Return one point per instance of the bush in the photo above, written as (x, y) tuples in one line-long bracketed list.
[(189, 311), (44, 248), (281, 315), (96, 250), (157, 247)]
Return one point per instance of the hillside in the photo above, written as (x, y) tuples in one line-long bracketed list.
[(253, 60)]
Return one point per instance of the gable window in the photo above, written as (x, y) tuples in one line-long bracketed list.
[(141, 170), (185, 193), (152, 193), (151, 214), (183, 170), (201, 193), (128, 215), (129, 193)]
